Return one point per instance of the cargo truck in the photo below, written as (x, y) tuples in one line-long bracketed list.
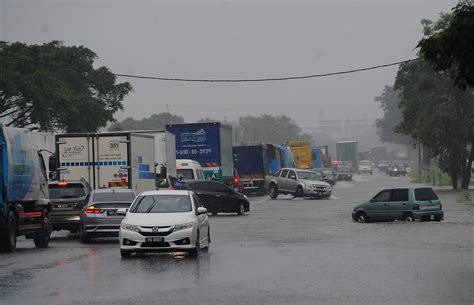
[(347, 153), (165, 156), (208, 143), (253, 163), (24, 197), (107, 160), (287, 159), (317, 157), (325, 155), (302, 154)]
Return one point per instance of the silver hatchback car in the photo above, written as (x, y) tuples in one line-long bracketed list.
[(99, 216)]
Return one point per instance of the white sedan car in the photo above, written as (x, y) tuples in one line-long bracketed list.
[(164, 221)]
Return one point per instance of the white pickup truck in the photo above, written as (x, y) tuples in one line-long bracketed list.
[(297, 182)]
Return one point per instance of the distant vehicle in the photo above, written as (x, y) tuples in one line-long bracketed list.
[(253, 163), (365, 166), (328, 175), (344, 173), (287, 158), (302, 153), (336, 164), (407, 167), (24, 199), (407, 204), (382, 165), (325, 155), (300, 183), (107, 160), (396, 169), (99, 216), (209, 144), (189, 170), (346, 151), (318, 161), (219, 198), (68, 198), (164, 221)]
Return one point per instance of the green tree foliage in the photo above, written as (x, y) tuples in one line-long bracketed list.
[(55, 87), (439, 115), (154, 122), (448, 44), (390, 103), (268, 129)]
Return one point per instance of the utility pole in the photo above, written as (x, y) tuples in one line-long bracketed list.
[(167, 108), (419, 162)]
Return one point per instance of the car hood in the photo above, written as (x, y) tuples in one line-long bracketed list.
[(360, 206), (159, 219)]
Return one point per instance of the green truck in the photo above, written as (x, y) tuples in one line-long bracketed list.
[(347, 153)]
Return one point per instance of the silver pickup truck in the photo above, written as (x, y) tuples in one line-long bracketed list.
[(297, 182)]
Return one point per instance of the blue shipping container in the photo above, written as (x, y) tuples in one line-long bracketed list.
[(249, 161)]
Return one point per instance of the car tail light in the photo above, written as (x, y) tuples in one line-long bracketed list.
[(236, 180), (93, 210), (416, 207), (62, 183)]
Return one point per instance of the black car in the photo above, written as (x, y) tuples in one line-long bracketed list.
[(344, 173), (68, 199), (396, 169), (328, 175), (217, 197)]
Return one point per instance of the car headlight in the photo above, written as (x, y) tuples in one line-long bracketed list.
[(129, 227), (183, 226), (245, 196)]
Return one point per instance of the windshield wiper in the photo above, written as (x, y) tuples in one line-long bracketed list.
[(151, 206)]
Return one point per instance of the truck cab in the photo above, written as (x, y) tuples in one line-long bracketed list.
[(189, 170)]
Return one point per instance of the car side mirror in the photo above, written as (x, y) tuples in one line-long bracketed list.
[(122, 212), (201, 211)]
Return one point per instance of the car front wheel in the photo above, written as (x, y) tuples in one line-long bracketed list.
[(273, 191), (361, 217), (241, 210)]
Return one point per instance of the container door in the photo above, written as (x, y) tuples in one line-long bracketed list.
[(75, 156), (112, 168), (142, 157)]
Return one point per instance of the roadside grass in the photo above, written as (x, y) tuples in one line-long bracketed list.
[(445, 179)]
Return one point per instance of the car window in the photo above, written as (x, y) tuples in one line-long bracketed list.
[(162, 204), (291, 175), (70, 190), (425, 194), (217, 187), (199, 186), (284, 173), (382, 196), (186, 173), (277, 174), (399, 195), (113, 196), (197, 202)]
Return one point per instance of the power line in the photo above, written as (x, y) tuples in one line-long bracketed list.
[(267, 79)]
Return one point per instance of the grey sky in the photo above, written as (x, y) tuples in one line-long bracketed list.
[(236, 39)]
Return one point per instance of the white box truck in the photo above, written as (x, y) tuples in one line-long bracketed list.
[(107, 160), (165, 150)]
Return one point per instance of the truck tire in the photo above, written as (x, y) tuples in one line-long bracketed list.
[(273, 191), (8, 240), (42, 240)]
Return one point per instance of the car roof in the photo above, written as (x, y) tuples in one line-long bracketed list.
[(112, 190), (165, 192)]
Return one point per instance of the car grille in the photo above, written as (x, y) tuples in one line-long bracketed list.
[(319, 187), (162, 231)]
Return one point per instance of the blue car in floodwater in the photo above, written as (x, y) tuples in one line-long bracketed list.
[(407, 204)]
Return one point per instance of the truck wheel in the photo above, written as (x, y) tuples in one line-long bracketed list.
[(8, 240), (273, 191), (42, 241), (299, 192)]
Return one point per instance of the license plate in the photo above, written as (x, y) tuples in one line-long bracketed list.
[(111, 213), (154, 239)]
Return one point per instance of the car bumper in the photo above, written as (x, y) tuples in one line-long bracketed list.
[(365, 170), (102, 226), (177, 241), (65, 221), (429, 215), (316, 192)]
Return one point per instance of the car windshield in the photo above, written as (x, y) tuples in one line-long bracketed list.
[(365, 163), (70, 190), (185, 173), (307, 175), (162, 204), (113, 196), (327, 172), (344, 170)]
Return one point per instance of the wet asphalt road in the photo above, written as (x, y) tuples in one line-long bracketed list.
[(288, 251)]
